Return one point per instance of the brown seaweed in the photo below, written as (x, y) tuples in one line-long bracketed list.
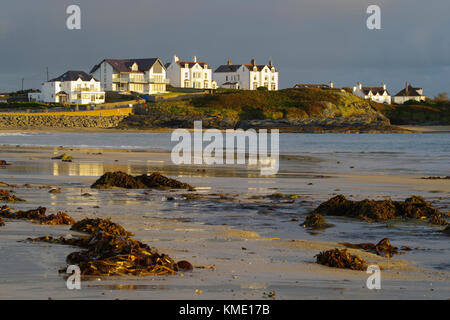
[(123, 180), (382, 248), (37, 215), (414, 207), (2, 223), (7, 196), (337, 258), (109, 250)]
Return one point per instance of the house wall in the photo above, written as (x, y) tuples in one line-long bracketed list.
[(196, 77), (81, 92), (105, 74), (402, 100), (249, 79)]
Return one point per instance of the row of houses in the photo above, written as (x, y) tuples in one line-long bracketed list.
[(378, 94), (151, 76)]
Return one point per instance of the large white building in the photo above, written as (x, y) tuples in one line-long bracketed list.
[(190, 74), (247, 76), (377, 94), (145, 76), (409, 93), (71, 87)]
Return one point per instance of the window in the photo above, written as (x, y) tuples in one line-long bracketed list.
[(186, 75)]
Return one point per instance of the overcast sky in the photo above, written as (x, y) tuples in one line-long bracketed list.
[(308, 40)]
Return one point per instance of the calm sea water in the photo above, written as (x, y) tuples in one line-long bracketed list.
[(427, 154)]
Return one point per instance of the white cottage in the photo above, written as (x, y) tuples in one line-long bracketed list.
[(377, 94), (247, 76), (72, 87), (409, 93), (190, 74), (145, 76)]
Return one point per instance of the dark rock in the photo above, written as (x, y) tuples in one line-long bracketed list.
[(315, 221)]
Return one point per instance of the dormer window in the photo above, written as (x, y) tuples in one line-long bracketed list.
[(134, 67)]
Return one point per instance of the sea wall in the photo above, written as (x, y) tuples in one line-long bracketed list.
[(14, 121)]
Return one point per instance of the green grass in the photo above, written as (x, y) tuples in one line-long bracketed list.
[(23, 105), (417, 113), (287, 103)]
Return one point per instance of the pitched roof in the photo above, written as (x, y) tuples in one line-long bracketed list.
[(73, 76), (124, 65), (228, 68), (374, 90), (190, 64), (258, 66), (409, 92)]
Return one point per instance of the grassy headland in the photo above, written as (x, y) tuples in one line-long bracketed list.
[(294, 110), (428, 112)]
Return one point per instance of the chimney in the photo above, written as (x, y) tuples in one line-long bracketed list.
[(253, 62), (175, 58), (230, 63), (359, 85), (407, 86), (195, 59), (270, 63), (331, 84), (383, 85)]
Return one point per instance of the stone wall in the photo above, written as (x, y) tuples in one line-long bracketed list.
[(44, 121)]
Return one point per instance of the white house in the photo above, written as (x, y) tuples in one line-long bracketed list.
[(377, 94), (190, 74), (72, 87), (409, 93), (247, 76), (145, 76)]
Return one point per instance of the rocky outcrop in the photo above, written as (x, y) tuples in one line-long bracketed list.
[(357, 118), (48, 121)]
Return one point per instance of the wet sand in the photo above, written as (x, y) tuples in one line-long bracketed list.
[(248, 261)]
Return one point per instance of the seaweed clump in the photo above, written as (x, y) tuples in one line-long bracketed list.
[(337, 258), (7, 196), (381, 210), (123, 180), (2, 223), (38, 215), (382, 248), (92, 226), (109, 250), (315, 221)]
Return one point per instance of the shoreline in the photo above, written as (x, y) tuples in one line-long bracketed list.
[(408, 129), (248, 259)]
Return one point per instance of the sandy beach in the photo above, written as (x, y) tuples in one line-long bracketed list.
[(262, 249)]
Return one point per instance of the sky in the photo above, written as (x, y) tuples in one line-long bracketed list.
[(309, 41)]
